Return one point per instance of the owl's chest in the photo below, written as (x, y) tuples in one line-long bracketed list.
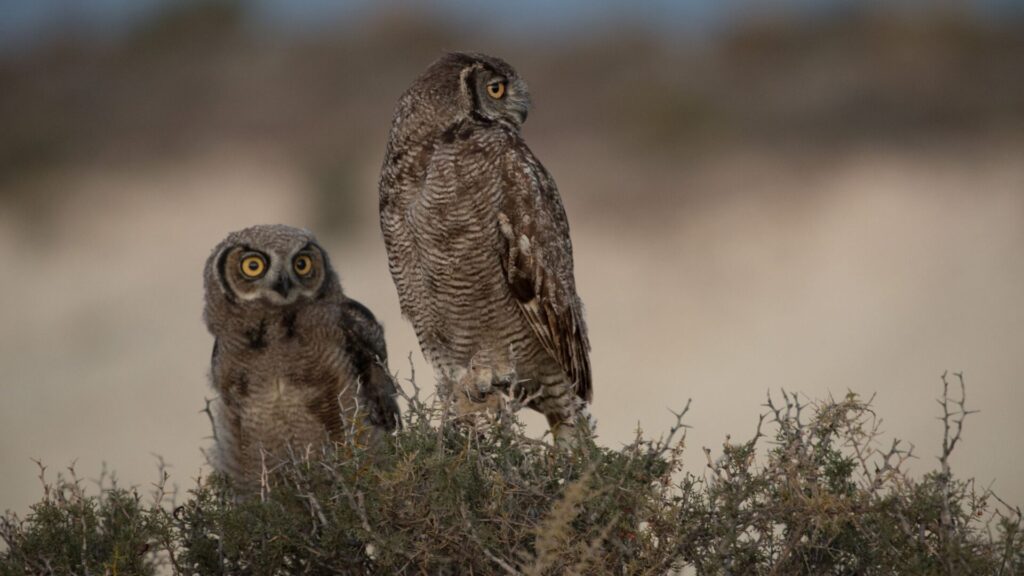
[(275, 350), (448, 251), (277, 399), (313, 360), (455, 215), (281, 404)]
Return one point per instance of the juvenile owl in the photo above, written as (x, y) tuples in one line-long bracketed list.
[(478, 241), (292, 355)]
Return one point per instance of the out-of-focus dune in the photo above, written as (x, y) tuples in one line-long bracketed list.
[(872, 270)]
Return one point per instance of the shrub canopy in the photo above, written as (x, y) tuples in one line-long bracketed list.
[(813, 492)]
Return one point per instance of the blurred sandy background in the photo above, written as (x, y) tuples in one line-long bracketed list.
[(795, 195)]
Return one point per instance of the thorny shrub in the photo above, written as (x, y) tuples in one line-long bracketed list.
[(813, 492)]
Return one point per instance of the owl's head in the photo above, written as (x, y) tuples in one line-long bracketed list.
[(269, 265), (477, 86)]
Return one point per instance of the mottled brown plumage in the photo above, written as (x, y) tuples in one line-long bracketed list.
[(292, 355), (478, 241)]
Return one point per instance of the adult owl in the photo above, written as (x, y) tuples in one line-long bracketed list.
[(295, 361), (478, 241)]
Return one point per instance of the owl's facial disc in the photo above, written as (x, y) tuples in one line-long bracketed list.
[(275, 279), (498, 96)]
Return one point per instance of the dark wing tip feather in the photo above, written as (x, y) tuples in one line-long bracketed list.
[(534, 208), (368, 353)]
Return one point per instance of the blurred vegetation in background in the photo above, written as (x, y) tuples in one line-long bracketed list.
[(814, 491), (201, 76)]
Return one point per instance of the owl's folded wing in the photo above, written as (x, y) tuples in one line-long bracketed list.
[(368, 353), (538, 265)]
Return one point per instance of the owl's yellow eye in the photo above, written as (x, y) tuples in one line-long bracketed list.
[(496, 90), (303, 265), (253, 266)]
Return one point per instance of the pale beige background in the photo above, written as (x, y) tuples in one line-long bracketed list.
[(786, 197), (872, 270)]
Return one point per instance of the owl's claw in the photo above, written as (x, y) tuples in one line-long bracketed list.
[(504, 382), (476, 394)]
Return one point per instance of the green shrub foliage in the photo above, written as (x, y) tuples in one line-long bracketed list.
[(814, 491)]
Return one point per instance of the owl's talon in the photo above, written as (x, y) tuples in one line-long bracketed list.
[(476, 396), (505, 382)]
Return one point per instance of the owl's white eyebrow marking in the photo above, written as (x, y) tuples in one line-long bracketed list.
[(249, 296)]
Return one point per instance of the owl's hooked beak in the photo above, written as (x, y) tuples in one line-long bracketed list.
[(282, 286)]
